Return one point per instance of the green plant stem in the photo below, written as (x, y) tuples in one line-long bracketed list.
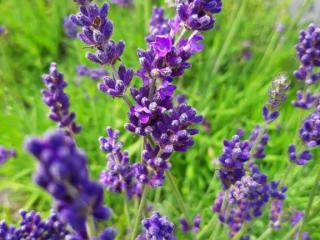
[(291, 232), (241, 232), (90, 227), (310, 203), (126, 211), (209, 226), (216, 232), (142, 206), (265, 234)]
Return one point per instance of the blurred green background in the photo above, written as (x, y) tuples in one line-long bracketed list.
[(228, 89)]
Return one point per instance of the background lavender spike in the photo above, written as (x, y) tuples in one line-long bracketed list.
[(58, 101), (123, 3), (94, 73), (62, 171), (69, 27), (6, 153)]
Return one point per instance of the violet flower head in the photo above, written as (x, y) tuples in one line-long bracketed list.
[(184, 225), (235, 154), (260, 146), (94, 73), (196, 223), (278, 196), (96, 32), (58, 101), (6, 153), (32, 226), (310, 130), (123, 3), (157, 227), (63, 172), (277, 95), (308, 51), (116, 86), (198, 14), (296, 217), (306, 100), (119, 175), (158, 25), (301, 158), (70, 28)]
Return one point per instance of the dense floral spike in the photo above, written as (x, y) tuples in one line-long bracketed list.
[(152, 170), (63, 172), (157, 227), (308, 51), (259, 145), (310, 131), (70, 28), (123, 3), (96, 32), (93, 73), (277, 95), (6, 153), (235, 154), (119, 174), (116, 85), (158, 25), (58, 101), (198, 14), (299, 158), (277, 196), (32, 226)]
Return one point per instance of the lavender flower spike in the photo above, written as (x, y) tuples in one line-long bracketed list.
[(159, 25), (310, 131), (63, 172), (157, 227), (123, 3), (70, 28), (58, 101), (94, 73), (6, 153)]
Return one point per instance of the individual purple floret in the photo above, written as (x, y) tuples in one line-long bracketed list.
[(63, 172), (157, 227), (185, 227), (96, 32), (277, 95), (305, 100), (32, 226), (123, 3), (93, 73), (198, 14), (196, 223), (58, 101), (158, 25), (258, 145), (6, 153), (119, 175), (70, 28), (310, 130), (299, 158), (116, 85), (235, 154), (308, 51)]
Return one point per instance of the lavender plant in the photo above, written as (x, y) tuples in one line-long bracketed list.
[(6, 153)]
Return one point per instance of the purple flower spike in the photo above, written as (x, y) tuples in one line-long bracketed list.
[(158, 25), (6, 153), (117, 85), (119, 175), (58, 101), (261, 145), (157, 227), (310, 131), (63, 172), (123, 3), (198, 15), (300, 159), (308, 52), (306, 100), (278, 196)]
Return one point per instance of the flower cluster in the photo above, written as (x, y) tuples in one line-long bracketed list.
[(198, 15), (185, 226), (278, 196), (158, 25), (58, 101), (157, 227), (93, 73), (62, 171), (32, 226), (119, 174), (96, 32), (277, 95), (235, 154), (69, 27), (295, 218), (6, 153)]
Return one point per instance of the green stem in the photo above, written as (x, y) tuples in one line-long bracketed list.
[(90, 227), (126, 211), (241, 232), (142, 206), (216, 232), (310, 203), (208, 227), (265, 234), (291, 232)]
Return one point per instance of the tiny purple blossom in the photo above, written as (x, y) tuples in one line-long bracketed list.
[(6, 153)]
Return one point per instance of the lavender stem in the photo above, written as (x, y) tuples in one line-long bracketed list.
[(90, 227)]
